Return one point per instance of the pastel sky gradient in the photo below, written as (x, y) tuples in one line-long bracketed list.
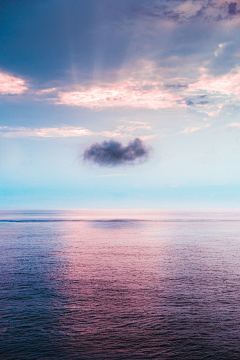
[(73, 73)]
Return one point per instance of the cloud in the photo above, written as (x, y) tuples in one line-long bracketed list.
[(233, 125), (145, 86), (182, 11), (203, 102), (46, 91), (232, 8), (228, 84), (65, 131), (193, 129), (130, 129), (127, 130), (129, 93), (113, 153), (11, 85), (189, 103)]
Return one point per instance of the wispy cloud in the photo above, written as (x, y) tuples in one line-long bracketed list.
[(195, 128), (130, 129), (67, 131), (126, 130), (46, 91), (10, 84)]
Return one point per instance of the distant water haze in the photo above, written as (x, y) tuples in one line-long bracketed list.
[(120, 214)]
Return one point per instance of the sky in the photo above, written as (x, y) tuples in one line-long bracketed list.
[(119, 104)]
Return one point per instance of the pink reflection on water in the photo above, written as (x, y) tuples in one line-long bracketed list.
[(120, 288)]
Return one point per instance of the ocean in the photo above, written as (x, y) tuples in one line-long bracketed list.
[(101, 284)]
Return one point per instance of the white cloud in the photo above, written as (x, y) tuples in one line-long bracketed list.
[(11, 85), (66, 131)]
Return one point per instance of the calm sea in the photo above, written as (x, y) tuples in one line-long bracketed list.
[(119, 285)]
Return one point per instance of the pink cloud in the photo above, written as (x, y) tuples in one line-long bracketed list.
[(233, 125), (128, 93), (11, 85), (228, 84), (46, 91)]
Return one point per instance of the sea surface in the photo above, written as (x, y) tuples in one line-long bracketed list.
[(119, 285)]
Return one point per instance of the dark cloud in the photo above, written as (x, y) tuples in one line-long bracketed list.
[(203, 102), (113, 153), (232, 8), (190, 102)]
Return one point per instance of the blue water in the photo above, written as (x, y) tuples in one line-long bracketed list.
[(119, 285)]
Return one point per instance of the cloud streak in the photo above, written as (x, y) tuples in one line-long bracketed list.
[(51, 132), (113, 153), (129, 129)]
